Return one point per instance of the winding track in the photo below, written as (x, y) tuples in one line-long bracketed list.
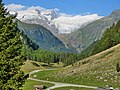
[(57, 84)]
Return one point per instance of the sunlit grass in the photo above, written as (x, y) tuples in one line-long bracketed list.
[(29, 84)]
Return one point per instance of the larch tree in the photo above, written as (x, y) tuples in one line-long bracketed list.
[(11, 58)]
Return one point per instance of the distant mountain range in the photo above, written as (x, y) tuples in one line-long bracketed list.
[(56, 22), (85, 36), (52, 31)]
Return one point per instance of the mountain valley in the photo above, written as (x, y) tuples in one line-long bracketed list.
[(78, 39), (59, 45)]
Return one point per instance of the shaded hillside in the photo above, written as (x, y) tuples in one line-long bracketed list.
[(29, 44), (85, 36), (43, 37)]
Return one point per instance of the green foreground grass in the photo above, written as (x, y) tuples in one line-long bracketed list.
[(87, 78), (72, 88), (51, 75), (30, 83)]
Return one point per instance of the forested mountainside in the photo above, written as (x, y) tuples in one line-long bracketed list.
[(110, 38), (37, 42), (32, 52)]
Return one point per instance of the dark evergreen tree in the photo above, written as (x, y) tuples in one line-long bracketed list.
[(118, 67), (11, 59)]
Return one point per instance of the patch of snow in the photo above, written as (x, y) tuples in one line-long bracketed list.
[(68, 24)]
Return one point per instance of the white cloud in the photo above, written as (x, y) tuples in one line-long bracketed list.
[(15, 7)]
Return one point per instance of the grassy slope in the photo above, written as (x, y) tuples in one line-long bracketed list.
[(29, 66), (33, 65), (29, 84), (98, 70)]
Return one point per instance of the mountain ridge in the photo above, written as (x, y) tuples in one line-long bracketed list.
[(85, 36), (56, 22)]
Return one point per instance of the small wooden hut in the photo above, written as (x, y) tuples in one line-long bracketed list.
[(38, 87)]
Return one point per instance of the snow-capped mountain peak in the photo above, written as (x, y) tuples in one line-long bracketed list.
[(28, 14), (55, 21), (68, 24), (50, 14)]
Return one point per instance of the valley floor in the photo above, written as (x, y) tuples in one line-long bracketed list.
[(58, 84)]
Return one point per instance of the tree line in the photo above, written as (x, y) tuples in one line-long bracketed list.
[(46, 56)]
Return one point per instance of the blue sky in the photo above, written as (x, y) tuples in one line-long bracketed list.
[(73, 7)]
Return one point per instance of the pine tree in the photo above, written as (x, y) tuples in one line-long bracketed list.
[(11, 59), (118, 67)]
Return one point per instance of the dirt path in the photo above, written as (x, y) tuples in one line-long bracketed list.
[(57, 84)]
